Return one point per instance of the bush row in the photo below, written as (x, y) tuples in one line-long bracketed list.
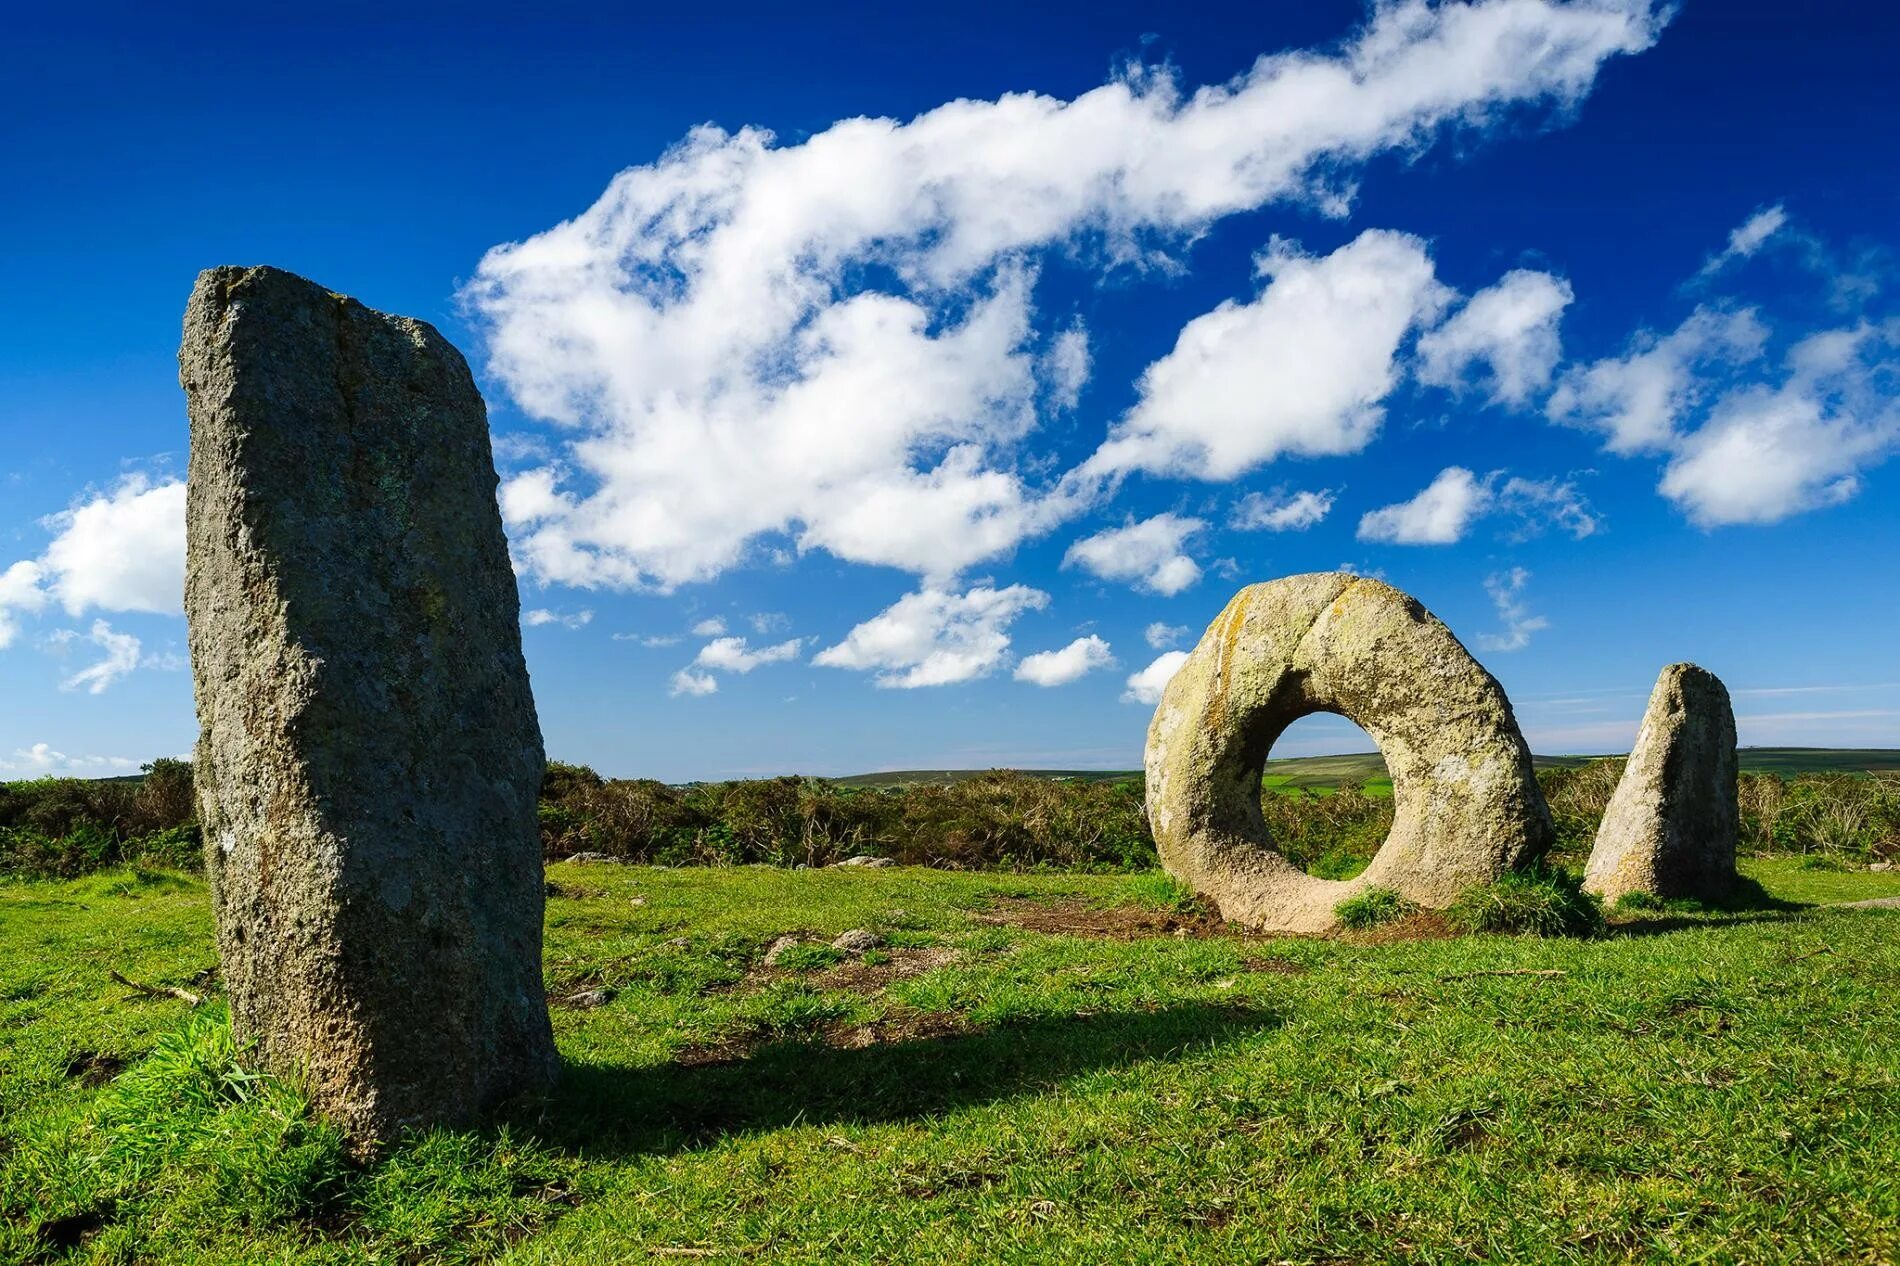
[(67, 826)]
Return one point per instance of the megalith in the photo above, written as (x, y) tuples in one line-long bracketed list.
[(1672, 822), (1467, 806), (368, 755)]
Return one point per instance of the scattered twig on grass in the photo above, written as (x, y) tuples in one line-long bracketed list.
[(158, 991), (1825, 949), (1543, 973)]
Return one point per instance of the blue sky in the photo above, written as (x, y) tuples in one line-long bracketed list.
[(1577, 321)]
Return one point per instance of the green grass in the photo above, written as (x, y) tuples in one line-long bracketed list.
[(1541, 902), (1702, 1086), (1372, 908)]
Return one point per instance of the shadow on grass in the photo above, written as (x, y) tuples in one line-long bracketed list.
[(623, 1111), (1746, 902)]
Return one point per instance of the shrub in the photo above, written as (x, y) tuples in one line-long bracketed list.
[(1333, 836), (1577, 798), (1371, 908), (166, 797), (67, 826), (1543, 901)]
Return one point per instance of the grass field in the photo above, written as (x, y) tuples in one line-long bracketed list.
[(1331, 771), (1049, 1068)]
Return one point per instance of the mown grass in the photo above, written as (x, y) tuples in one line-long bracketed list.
[(985, 1085)]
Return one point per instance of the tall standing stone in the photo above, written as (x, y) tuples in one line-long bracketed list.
[(1671, 824), (368, 754)]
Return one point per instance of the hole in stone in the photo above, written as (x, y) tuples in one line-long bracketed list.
[(1325, 796)]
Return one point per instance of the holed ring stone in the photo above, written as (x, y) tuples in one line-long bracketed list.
[(1467, 806)]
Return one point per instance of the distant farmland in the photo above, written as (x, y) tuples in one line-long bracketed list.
[(1331, 771)]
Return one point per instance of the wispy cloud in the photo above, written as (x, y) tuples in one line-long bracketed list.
[(1507, 595)]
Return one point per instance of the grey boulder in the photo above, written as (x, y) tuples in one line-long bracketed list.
[(1671, 825)]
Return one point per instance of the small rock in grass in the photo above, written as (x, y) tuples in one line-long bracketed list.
[(1881, 866), (778, 949), (588, 999), (865, 859), (856, 941), (585, 858)]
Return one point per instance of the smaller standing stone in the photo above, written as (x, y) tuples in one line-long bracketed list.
[(1672, 823)]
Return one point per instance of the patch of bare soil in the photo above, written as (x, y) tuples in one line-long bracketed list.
[(1420, 925), (1074, 917), (1276, 966), (899, 1025), (94, 1068), (859, 976)]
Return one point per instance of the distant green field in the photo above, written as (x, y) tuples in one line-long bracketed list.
[(1369, 767)]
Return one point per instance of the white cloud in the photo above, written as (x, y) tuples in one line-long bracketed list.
[(1147, 554), (692, 683), (1511, 328), (768, 622), (1160, 636), (514, 446), (1282, 511), (1507, 595), (1447, 507), (1748, 237), (1438, 515), (729, 379), (1747, 439), (19, 591), (120, 551), (1768, 452), (1067, 366), (1060, 667), (532, 496), (934, 637), (1146, 686), (567, 620), (1539, 503), (121, 657), (41, 761), (712, 626), (732, 655), (1300, 370), (648, 640), (1638, 399)]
